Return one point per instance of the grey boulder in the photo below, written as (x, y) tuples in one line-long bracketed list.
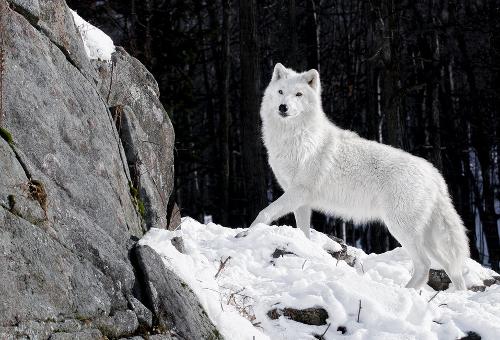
[(71, 205)]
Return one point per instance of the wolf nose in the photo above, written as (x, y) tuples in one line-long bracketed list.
[(283, 108)]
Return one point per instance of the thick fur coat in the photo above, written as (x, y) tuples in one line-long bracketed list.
[(322, 167)]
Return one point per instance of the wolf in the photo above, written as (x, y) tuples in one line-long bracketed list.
[(324, 168)]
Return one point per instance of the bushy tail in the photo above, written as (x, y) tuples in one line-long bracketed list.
[(448, 243), (457, 245)]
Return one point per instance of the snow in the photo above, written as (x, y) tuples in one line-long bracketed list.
[(251, 283), (97, 44)]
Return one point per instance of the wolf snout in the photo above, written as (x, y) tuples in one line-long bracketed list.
[(283, 110)]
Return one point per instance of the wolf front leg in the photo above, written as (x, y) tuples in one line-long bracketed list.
[(290, 201), (303, 219)]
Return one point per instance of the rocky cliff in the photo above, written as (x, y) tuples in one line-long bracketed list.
[(86, 167)]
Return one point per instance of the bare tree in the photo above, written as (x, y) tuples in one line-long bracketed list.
[(253, 159)]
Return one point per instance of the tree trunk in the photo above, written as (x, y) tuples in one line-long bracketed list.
[(253, 160), (225, 119), (312, 36), (391, 86), (292, 31)]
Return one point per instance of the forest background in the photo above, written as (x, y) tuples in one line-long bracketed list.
[(421, 75)]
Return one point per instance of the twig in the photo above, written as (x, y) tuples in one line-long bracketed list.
[(434, 296), (235, 293), (213, 290), (359, 309), (220, 296), (326, 330), (304, 264), (222, 265)]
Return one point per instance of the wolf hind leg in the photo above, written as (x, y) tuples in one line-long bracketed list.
[(421, 265), (303, 219), (414, 246)]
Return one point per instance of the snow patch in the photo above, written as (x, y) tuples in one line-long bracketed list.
[(238, 294), (97, 44)]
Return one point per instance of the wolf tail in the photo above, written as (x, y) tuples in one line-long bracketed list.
[(449, 243), (458, 241)]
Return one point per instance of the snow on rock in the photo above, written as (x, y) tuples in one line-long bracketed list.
[(239, 282), (97, 44)]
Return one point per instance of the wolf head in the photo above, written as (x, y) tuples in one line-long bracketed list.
[(291, 97)]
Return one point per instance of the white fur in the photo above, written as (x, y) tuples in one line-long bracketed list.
[(322, 167)]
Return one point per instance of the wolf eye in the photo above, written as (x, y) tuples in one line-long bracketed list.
[(280, 92), (299, 94)]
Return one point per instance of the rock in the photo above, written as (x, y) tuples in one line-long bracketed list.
[(64, 138), (174, 304), (122, 323), (90, 334), (471, 336), (342, 254), (492, 281), (178, 243), (478, 288), (310, 316), (145, 130), (68, 214), (160, 337), (174, 216), (53, 19), (15, 194), (342, 329), (438, 279), (42, 279), (144, 315), (281, 252), (486, 283), (29, 8), (50, 329)]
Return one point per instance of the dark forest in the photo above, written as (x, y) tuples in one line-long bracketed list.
[(423, 76)]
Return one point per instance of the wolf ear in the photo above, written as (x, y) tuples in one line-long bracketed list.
[(279, 72), (312, 78)]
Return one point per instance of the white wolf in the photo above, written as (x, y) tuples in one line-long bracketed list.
[(322, 167)]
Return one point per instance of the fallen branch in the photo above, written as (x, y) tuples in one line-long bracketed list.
[(222, 265), (326, 330), (359, 309), (236, 293), (434, 296), (220, 296)]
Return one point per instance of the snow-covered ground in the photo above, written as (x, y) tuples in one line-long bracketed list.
[(97, 44), (252, 282)]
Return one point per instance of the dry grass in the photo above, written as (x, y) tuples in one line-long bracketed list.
[(35, 190), (241, 302)]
